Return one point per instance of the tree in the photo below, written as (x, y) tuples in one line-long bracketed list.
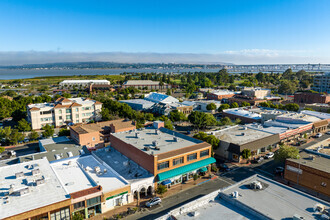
[(161, 189), (201, 120), (23, 125), (223, 107), (16, 136), (2, 149), (211, 106), (285, 152), (211, 139), (77, 216), (246, 153), (64, 132), (33, 135), (175, 115), (225, 121), (66, 95), (234, 105), (292, 107), (48, 131), (168, 125), (169, 92), (287, 87), (245, 104)]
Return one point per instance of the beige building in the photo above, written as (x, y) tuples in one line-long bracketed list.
[(258, 93), (64, 111)]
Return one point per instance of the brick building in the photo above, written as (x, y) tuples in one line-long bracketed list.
[(310, 171), (220, 94), (310, 98), (97, 134), (170, 156)]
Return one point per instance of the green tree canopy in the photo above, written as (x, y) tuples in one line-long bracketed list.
[(225, 121), (287, 87), (286, 152), (234, 105), (48, 131), (246, 153), (223, 107), (211, 107), (175, 115), (201, 120), (33, 135), (23, 125)]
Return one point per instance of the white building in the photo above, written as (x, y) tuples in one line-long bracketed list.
[(258, 93), (82, 83), (63, 111), (322, 82)]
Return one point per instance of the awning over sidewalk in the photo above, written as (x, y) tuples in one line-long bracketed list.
[(204, 169), (185, 169), (166, 182)]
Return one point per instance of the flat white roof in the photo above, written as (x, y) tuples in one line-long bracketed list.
[(243, 113), (224, 92), (51, 191), (141, 82), (275, 200), (86, 81), (109, 180), (71, 175), (297, 117), (320, 115)]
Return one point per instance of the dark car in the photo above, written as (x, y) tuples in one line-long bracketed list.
[(258, 160), (224, 167), (279, 170), (153, 201)]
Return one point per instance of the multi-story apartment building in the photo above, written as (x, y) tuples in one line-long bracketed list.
[(63, 111), (148, 84), (82, 83), (322, 83)]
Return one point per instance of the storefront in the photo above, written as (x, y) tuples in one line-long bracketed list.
[(184, 173)]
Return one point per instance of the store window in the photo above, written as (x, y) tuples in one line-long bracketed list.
[(163, 165), (191, 157), (62, 214), (177, 161), (79, 205), (204, 153), (93, 201)]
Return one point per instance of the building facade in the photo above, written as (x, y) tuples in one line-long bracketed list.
[(146, 84), (322, 83), (310, 98), (64, 111), (82, 83), (220, 94)]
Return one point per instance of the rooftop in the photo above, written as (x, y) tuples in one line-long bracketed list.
[(297, 118), (275, 123), (55, 150), (322, 147), (71, 175), (320, 115), (125, 167), (315, 161), (102, 126), (49, 106), (240, 134), (275, 200), (158, 97), (224, 92), (86, 81), (267, 111), (138, 101), (141, 82), (268, 129), (149, 139), (243, 113), (35, 181)]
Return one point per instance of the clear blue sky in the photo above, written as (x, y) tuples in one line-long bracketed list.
[(293, 28)]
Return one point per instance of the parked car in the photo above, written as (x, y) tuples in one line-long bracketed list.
[(26, 140), (153, 201), (259, 160), (328, 132), (224, 167), (279, 170), (318, 135), (269, 155)]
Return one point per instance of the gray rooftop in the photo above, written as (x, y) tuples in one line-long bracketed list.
[(240, 134), (138, 101), (275, 200), (125, 167), (164, 140), (318, 162), (57, 151), (34, 198)]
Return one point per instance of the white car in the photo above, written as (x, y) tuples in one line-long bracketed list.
[(269, 155), (318, 135)]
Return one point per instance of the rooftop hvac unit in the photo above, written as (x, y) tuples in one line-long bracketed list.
[(154, 143), (69, 163), (97, 169), (70, 154), (137, 135), (297, 217), (40, 181), (24, 191), (255, 185), (35, 172), (11, 189), (242, 134), (146, 148), (175, 139), (157, 132), (19, 175), (157, 148), (105, 171)]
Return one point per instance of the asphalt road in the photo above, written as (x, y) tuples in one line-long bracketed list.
[(191, 194)]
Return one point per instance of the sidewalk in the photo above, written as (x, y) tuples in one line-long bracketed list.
[(170, 192)]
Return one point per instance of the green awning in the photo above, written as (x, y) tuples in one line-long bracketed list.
[(185, 169), (203, 169)]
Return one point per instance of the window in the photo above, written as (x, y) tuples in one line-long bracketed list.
[(68, 117), (68, 110), (63, 214), (93, 201), (77, 115), (192, 157), (177, 161), (79, 205), (87, 108), (77, 109), (60, 111), (77, 121), (163, 165), (204, 153), (60, 117), (93, 138)]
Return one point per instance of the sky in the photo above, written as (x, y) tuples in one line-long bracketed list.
[(235, 31)]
